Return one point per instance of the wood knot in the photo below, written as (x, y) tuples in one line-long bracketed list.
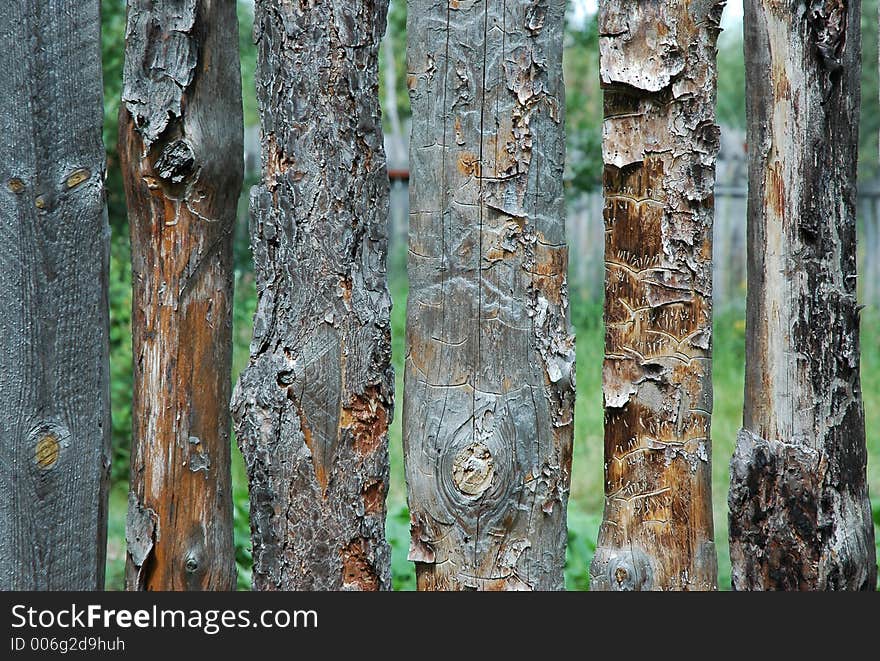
[(191, 564), (630, 572), (47, 451), (48, 440), (77, 177), (473, 470), (197, 562), (15, 185), (175, 162), (285, 378)]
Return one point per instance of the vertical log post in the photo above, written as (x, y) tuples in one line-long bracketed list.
[(799, 511), (657, 62), (313, 406), (180, 143), (54, 326), (488, 410)]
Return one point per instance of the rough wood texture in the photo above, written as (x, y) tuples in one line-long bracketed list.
[(799, 511), (313, 406), (54, 248), (488, 409), (181, 149), (657, 62)]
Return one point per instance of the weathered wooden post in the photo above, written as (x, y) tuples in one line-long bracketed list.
[(488, 409), (54, 251), (180, 143), (799, 511), (313, 406), (657, 62)]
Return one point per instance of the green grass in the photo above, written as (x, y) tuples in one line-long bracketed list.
[(585, 505)]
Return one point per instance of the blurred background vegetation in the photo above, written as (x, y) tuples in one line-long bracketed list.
[(583, 179)]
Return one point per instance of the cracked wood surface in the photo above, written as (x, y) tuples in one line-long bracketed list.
[(313, 406), (180, 144), (800, 517), (54, 251), (489, 375), (660, 140)]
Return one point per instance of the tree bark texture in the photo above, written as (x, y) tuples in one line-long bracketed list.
[(313, 406), (489, 392), (181, 149), (54, 252), (799, 511), (657, 64)]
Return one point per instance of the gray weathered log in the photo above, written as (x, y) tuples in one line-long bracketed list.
[(799, 511), (313, 406), (54, 251), (180, 144), (660, 140), (488, 408)]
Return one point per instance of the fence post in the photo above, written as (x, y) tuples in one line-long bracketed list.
[(488, 409), (313, 406), (54, 251), (659, 148), (180, 144), (799, 511)]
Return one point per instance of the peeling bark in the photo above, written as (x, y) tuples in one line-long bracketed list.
[(54, 252), (180, 144), (488, 413), (313, 406), (660, 140), (799, 511)]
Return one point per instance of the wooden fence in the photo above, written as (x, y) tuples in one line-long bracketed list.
[(490, 361)]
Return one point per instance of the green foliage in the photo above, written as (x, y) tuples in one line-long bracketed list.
[(248, 53), (870, 338), (112, 55), (114, 571), (241, 527), (731, 98), (120, 355), (583, 106), (403, 572), (395, 32), (728, 377), (583, 529), (869, 123)]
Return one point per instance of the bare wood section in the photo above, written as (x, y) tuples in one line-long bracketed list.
[(313, 406), (657, 63), (181, 151), (800, 517), (54, 251), (490, 357)]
